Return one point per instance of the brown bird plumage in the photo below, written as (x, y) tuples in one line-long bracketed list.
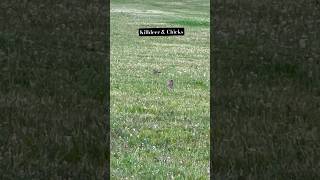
[(170, 84)]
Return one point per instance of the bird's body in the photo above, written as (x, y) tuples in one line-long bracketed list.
[(170, 84), (156, 71)]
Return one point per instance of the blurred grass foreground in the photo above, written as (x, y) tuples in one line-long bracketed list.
[(266, 89), (52, 89)]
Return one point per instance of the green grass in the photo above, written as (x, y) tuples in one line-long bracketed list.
[(267, 90), (52, 90), (189, 22), (157, 134)]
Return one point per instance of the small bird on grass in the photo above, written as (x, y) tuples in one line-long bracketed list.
[(156, 71), (170, 84)]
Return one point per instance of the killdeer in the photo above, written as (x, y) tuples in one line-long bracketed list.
[(170, 84), (156, 71)]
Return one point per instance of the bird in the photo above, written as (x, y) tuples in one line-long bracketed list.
[(170, 84), (156, 71)]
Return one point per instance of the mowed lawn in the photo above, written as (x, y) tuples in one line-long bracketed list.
[(155, 133)]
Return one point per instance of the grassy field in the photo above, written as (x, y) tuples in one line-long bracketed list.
[(52, 89), (157, 134), (266, 89)]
